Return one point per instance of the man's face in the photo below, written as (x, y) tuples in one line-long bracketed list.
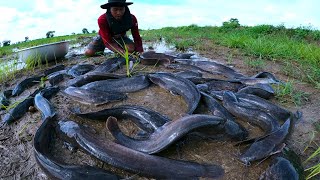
[(117, 12)]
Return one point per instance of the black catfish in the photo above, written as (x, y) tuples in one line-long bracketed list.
[(54, 69), (110, 65), (56, 79), (262, 78), (186, 67), (44, 106), (80, 69), (20, 110), (213, 67), (267, 145), (144, 118), (157, 56), (265, 75), (280, 169), (188, 74), (165, 135), (262, 90), (184, 55), (93, 97), (250, 113), (53, 168), (180, 86), (232, 129), (91, 77), (220, 85), (280, 113), (124, 85), (128, 159), (26, 83)]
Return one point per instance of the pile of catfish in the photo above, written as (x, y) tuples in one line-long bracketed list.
[(234, 96)]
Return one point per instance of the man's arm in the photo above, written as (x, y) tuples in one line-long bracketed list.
[(136, 35)]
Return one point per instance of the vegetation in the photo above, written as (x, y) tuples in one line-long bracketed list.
[(6, 43), (314, 170), (50, 34), (287, 94), (85, 31)]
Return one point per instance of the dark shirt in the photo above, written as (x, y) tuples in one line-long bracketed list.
[(107, 35)]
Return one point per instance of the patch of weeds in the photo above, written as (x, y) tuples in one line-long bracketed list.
[(99, 53), (184, 44), (313, 81), (314, 170), (33, 61), (126, 55), (8, 69), (230, 58), (287, 94), (317, 126), (235, 41), (255, 63), (290, 69), (43, 81)]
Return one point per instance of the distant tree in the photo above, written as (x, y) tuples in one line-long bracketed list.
[(85, 31), (73, 33), (6, 42), (26, 39), (94, 31), (233, 23), (50, 34)]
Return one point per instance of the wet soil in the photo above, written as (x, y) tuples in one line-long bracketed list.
[(16, 141)]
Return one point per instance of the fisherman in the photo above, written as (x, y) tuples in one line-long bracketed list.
[(113, 26)]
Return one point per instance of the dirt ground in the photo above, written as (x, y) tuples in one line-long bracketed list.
[(16, 141)]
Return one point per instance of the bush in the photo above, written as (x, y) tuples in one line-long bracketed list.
[(263, 29), (233, 23), (6, 43)]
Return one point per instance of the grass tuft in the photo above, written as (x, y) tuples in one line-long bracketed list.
[(287, 94)]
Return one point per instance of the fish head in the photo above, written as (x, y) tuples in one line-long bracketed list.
[(69, 128)]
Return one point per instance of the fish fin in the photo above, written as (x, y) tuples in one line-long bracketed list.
[(255, 139), (278, 149)]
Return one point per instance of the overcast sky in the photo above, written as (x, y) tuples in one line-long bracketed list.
[(34, 18)]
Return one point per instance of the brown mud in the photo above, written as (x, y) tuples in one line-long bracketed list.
[(16, 140)]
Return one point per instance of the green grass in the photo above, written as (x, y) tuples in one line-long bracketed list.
[(255, 63), (317, 126), (298, 47), (287, 94), (314, 170)]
